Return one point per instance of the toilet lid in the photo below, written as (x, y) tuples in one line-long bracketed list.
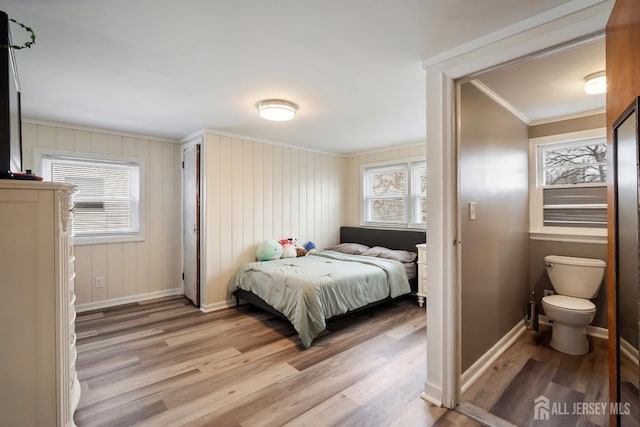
[(569, 303)]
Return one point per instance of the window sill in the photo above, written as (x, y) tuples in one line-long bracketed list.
[(414, 227), (101, 240), (592, 237)]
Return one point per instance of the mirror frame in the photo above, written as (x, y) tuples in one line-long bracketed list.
[(631, 112)]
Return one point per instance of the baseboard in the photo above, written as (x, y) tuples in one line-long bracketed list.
[(432, 394), (474, 372), (208, 308), (97, 305)]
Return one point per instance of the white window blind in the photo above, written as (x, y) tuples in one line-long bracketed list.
[(107, 200)]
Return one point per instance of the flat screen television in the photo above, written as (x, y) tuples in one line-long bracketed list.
[(10, 108)]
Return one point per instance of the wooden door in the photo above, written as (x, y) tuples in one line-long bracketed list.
[(191, 222)]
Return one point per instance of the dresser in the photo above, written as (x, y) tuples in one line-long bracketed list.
[(38, 381), (422, 273)]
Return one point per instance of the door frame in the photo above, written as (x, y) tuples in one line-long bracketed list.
[(562, 24), (201, 288)]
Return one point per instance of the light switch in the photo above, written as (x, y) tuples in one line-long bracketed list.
[(472, 211)]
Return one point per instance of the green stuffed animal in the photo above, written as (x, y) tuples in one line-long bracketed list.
[(268, 250)]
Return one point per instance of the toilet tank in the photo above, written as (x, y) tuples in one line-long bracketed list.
[(575, 277)]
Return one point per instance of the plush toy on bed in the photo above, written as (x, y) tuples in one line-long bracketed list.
[(288, 248), (268, 250), (310, 247)]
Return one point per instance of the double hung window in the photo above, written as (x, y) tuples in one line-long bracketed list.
[(570, 193), (395, 194)]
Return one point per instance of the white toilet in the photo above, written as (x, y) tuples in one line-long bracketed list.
[(575, 280)]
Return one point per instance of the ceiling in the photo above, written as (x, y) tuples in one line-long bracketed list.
[(550, 86), (169, 69)]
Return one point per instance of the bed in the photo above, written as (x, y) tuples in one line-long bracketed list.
[(310, 291)]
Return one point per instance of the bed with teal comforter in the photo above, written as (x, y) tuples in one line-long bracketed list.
[(309, 290)]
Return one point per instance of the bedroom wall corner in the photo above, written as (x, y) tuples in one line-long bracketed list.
[(259, 190)]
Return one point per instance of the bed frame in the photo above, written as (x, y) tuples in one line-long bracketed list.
[(392, 239)]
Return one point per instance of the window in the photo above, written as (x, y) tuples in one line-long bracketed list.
[(570, 195), (395, 194), (107, 200)]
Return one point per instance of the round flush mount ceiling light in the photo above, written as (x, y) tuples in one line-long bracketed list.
[(277, 110), (595, 83)]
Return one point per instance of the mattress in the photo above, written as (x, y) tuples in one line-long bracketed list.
[(309, 290)]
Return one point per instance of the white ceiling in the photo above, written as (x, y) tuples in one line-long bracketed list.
[(551, 86), (171, 68)]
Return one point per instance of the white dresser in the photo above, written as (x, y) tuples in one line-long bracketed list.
[(422, 273), (38, 381)]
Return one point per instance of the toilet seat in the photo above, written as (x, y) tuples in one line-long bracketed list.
[(569, 303)]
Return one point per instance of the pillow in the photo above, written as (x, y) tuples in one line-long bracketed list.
[(349, 248), (398, 255)]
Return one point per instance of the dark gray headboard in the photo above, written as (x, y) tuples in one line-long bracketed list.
[(392, 239)]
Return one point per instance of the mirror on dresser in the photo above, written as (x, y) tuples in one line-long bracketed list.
[(627, 265)]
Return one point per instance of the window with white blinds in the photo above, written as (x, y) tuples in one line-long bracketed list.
[(569, 195), (574, 179), (107, 199), (395, 194)]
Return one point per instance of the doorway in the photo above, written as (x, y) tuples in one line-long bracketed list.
[(443, 383), (191, 223)]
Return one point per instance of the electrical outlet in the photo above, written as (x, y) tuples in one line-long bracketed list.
[(99, 282), (548, 292)]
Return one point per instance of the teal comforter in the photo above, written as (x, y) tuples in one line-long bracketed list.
[(308, 290)]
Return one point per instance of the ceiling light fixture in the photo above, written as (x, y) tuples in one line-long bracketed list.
[(277, 110), (595, 83)]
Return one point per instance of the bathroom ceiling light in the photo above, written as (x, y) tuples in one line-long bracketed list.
[(277, 110), (595, 83)]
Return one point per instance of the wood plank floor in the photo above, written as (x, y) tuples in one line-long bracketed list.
[(164, 363), (531, 368)]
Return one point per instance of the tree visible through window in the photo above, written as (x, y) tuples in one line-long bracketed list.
[(577, 164), (573, 178), (395, 194)]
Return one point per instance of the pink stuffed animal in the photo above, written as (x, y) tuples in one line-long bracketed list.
[(288, 248)]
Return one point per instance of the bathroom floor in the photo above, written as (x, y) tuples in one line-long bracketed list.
[(530, 369)]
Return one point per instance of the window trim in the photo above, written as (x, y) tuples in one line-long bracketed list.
[(537, 230), (40, 154), (410, 198)]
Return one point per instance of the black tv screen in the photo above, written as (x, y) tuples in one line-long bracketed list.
[(10, 106)]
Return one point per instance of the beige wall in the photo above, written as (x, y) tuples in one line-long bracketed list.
[(134, 268), (495, 259), (353, 175), (594, 121), (257, 191)]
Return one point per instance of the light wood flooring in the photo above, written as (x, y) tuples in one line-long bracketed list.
[(164, 363), (531, 368)]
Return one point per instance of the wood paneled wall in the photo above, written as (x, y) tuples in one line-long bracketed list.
[(353, 181), (257, 191), (135, 268)]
